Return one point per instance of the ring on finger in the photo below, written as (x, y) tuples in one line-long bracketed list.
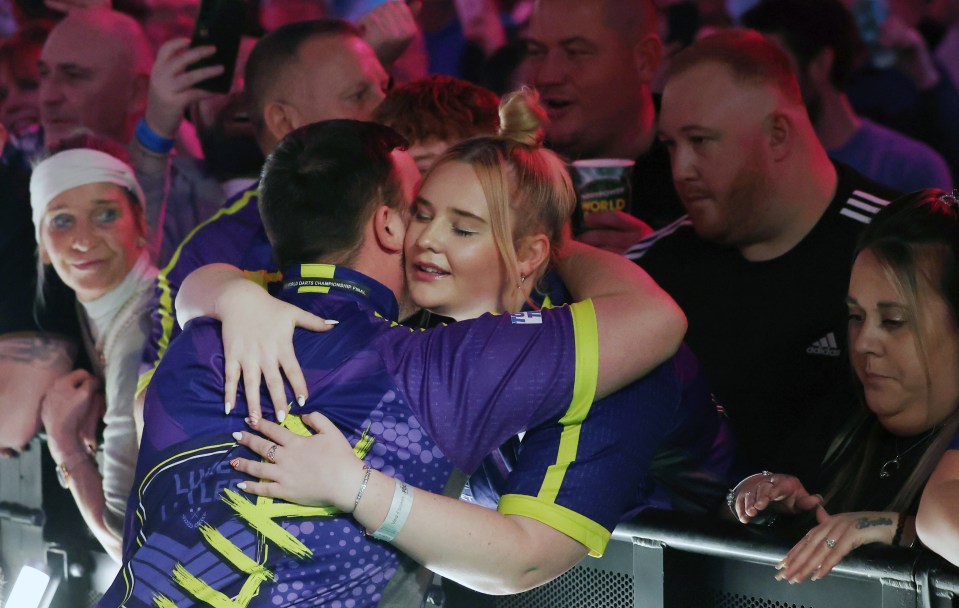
[(271, 453), (831, 543)]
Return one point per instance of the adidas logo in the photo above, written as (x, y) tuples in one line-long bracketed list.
[(825, 346)]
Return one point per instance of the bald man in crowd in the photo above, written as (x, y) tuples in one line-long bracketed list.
[(94, 72), (761, 263), (593, 63)]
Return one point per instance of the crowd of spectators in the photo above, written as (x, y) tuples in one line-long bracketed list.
[(769, 333)]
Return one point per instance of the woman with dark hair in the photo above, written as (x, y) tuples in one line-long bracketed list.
[(904, 347)]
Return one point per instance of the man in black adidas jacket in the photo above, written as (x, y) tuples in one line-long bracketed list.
[(761, 262)]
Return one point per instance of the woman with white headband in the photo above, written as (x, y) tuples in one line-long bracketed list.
[(88, 211)]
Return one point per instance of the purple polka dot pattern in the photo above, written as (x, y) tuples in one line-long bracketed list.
[(354, 569)]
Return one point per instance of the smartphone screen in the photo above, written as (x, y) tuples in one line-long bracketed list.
[(221, 24)]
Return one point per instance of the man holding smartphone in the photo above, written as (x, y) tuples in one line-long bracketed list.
[(298, 74)]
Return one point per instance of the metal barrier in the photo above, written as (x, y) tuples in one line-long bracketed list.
[(660, 560), (671, 560), (21, 510), (40, 525)]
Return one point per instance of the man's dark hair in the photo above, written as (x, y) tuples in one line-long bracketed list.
[(321, 185), (275, 52), (808, 27)]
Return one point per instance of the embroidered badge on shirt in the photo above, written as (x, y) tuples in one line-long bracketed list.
[(526, 318)]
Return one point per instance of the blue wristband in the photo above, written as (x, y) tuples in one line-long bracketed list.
[(150, 140)]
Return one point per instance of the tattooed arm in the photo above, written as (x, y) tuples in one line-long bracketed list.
[(836, 535), (29, 363)]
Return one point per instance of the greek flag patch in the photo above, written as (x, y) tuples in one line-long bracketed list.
[(526, 318)]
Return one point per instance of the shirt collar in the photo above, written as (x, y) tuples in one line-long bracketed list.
[(303, 282)]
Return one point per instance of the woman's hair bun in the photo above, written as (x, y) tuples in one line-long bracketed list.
[(522, 119)]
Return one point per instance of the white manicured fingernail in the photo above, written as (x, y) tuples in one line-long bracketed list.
[(331, 322), (300, 400), (280, 416), (227, 407), (238, 436), (241, 485)]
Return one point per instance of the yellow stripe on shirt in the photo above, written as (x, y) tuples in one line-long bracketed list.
[(584, 391), (575, 525), (165, 306)]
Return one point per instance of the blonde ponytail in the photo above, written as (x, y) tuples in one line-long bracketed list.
[(522, 118)]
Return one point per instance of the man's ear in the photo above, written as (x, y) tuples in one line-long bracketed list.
[(647, 55), (279, 119), (532, 253), (389, 229), (780, 132)]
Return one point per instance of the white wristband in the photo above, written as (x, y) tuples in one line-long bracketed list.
[(399, 511)]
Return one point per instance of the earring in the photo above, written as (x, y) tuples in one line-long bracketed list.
[(522, 279)]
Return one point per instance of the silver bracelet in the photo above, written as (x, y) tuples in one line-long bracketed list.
[(731, 496), (366, 480)]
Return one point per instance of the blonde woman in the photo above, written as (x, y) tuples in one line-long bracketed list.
[(88, 211)]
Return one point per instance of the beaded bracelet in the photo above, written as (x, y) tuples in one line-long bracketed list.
[(366, 481), (151, 140)]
